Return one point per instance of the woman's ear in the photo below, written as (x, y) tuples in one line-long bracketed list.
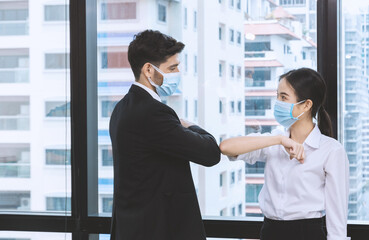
[(308, 104)]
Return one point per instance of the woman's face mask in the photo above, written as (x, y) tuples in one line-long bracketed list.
[(170, 83), (283, 113)]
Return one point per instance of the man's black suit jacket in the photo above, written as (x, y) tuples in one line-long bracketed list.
[(154, 194)]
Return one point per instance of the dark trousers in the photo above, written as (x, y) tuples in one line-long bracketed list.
[(304, 229)]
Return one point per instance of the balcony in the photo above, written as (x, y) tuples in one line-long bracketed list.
[(15, 170), (10, 123), (13, 28), (14, 75)]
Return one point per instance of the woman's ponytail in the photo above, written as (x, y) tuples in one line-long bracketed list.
[(324, 122)]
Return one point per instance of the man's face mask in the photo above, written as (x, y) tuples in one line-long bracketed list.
[(170, 82)]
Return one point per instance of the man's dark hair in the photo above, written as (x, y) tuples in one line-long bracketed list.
[(153, 47)]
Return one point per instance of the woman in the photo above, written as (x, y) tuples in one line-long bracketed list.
[(306, 171)]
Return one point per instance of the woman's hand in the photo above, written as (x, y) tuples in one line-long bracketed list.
[(294, 149)]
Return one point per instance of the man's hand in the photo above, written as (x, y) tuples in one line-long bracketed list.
[(186, 123), (294, 149)]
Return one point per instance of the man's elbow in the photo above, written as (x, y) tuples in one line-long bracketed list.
[(214, 157)]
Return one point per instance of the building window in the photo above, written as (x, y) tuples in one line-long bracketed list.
[(257, 46), (239, 72), (57, 109), (114, 57), (107, 203), (239, 35), (239, 106), (185, 17), (240, 175), (195, 64), (231, 69), (223, 212), (195, 109), (13, 18), (14, 113), (14, 160), (257, 106), (162, 13), (57, 157), (118, 11), (15, 201), (233, 178), (195, 20), (107, 157), (233, 211), (231, 3), (53, 13), (56, 60), (220, 33), (14, 65), (232, 107), (186, 108), (231, 35), (238, 4), (252, 192), (240, 209), (58, 204), (220, 106), (220, 70), (107, 108)]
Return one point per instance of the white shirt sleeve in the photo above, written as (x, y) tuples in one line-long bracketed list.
[(336, 194), (254, 156)]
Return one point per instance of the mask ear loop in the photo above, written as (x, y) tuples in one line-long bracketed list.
[(297, 118)]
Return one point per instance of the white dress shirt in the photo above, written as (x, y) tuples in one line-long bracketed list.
[(318, 187), (151, 92)]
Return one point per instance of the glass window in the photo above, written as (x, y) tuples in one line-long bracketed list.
[(30, 94), (56, 61), (233, 177), (57, 109), (240, 209), (118, 10), (353, 109), (19, 235), (239, 4), (58, 156), (259, 66), (162, 13), (56, 13)]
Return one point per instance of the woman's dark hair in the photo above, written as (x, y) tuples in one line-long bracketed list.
[(151, 46), (309, 84)]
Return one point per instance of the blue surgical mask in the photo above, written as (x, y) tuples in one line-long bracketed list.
[(170, 83), (283, 113)]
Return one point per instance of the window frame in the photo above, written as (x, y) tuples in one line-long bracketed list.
[(83, 220)]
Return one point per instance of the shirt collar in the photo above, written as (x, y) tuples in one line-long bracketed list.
[(151, 92), (313, 140)]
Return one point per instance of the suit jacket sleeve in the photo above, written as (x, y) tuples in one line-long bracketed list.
[(166, 135)]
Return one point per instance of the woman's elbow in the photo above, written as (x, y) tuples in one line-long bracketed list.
[(224, 147)]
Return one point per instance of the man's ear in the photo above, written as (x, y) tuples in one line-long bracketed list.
[(147, 70)]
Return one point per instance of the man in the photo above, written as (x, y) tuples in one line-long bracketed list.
[(154, 194)]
